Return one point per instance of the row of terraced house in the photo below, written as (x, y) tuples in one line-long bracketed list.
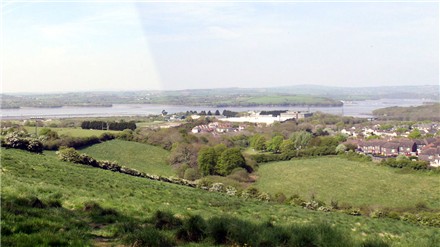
[(426, 149)]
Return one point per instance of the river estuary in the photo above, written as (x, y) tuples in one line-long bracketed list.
[(354, 108)]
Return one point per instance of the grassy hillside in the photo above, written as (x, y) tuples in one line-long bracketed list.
[(142, 157), (27, 176), (356, 183)]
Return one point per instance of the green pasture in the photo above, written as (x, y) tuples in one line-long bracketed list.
[(26, 175), (142, 157), (355, 183), (75, 132)]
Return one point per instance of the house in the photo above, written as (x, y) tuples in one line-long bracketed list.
[(390, 149), (202, 129), (431, 153), (424, 142), (407, 147), (371, 147)]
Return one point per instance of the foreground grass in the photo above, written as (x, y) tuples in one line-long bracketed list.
[(142, 157), (26, 175), (356, 183), (75, 132)]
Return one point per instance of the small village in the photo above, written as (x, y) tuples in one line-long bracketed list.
[(376, 141), (380, 143)]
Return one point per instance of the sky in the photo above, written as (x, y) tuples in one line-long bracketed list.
[(147, 45)]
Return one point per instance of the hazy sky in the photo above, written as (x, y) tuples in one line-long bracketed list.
[(80, 46)]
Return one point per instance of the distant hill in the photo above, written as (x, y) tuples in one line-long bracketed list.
[(310, 95), (414, 113), (363, 93)]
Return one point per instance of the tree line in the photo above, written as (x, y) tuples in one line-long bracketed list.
[(101, 125)]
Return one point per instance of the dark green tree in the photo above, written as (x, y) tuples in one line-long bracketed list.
[(229, 160), (275, 144), (258, 142), (207, 161)]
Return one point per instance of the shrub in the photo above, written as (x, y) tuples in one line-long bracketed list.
[(296, 200), (240, 174), (217, 187), (231, 191), (99, 214), (106, 136), (250, 192), (374, 243), (218, 229), (318, 234), (165, 220), (280, 197), (264, 197), (147, 237), (20, 140), (193, 229), (69, 155), (191, 174)]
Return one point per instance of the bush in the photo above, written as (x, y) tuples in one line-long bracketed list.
[(69, 155), (280, 197), (250, 192), (165, 220), (374, 243), (147, 237), (106, 136), (405, 163), (240, 174), (191, 174), (19, 140), (218, 229), (353, 156), (99, 214), (193, 229)]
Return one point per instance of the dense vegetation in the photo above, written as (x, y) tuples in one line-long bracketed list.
[(105, 125), (50, 202), (415, 113)]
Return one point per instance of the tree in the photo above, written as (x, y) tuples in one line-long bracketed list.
[(258, 142), (287, 146), (217, 113), (301, 139), (415, 134), (275, 144), (183, 153), (207, 161), (209, 113), (229, 160)]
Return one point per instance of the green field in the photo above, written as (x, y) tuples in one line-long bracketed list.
[(142, 157), (356, 183), (26, 175), (75, 132)]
